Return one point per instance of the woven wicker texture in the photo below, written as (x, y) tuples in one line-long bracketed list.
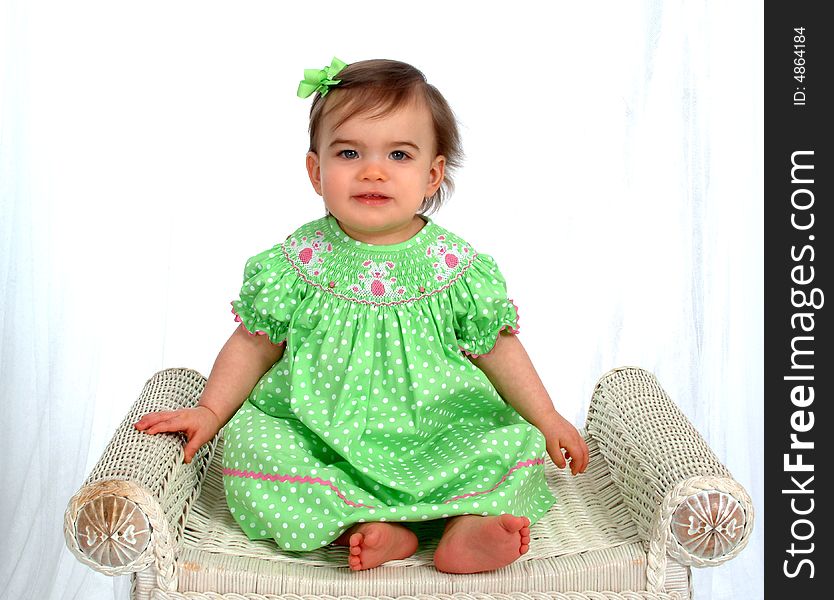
[(461, 596), (658, 460), (586, 541), (608, 535), (628, 412), (588, 515), (147, 470), (622, 568)]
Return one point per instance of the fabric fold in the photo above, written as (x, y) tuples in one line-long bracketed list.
[(270, 294), (373, 412), (481, 307)]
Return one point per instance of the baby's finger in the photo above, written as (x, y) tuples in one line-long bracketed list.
[(573, 450), (190, 450), (151, 419), (558, 458), (196, 440), (174, 424), (574, 464), (583, 464), (586, 457)]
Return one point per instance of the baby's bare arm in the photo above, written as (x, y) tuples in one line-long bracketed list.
[(240, 364), (512, 373)]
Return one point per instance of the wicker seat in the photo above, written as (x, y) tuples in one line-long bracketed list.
[(654, 502)]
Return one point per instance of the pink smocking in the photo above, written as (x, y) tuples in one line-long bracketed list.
[(507, 327), (361, 301)]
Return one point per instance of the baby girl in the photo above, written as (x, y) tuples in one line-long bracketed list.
[(376, 377)]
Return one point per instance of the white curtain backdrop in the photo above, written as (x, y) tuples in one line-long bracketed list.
[(614, 170)]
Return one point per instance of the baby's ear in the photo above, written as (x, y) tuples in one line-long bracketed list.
[(436, 173), (314, 171)]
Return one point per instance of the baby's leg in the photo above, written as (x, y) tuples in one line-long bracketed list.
[(372, 544), (472, 543)]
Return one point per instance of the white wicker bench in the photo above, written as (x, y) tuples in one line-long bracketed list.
[(654, 501)]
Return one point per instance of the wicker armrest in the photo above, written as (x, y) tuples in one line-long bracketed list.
[(677, 491), (131, 510)]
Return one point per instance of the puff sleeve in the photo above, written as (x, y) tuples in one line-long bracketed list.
[(481, 308), (270, 295)]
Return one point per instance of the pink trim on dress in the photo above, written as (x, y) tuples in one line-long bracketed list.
[(509, 328), (520, 465), (293, 479), (328, 483), (256, 332)]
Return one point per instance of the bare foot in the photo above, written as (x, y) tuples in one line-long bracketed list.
[(472, 543), (372, 544)]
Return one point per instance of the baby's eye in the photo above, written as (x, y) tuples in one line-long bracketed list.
[(399, 155), (349, 154)]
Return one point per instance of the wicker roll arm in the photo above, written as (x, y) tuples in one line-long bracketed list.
[(131, 510), (683, 501)]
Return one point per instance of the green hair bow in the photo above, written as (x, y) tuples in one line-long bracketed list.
[(320, 80)]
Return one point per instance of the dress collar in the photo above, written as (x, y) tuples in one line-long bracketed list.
[(417, 239)]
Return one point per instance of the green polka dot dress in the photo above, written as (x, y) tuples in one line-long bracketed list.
[(374, 412)]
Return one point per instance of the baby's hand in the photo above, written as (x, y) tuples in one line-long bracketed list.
[(199, 424), (561, 434)]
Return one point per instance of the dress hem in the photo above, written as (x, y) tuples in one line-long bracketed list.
[(327, 483)]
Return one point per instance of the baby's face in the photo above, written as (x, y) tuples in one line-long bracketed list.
[(374, 173)]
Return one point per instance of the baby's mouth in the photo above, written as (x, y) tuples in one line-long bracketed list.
[(372, 198)]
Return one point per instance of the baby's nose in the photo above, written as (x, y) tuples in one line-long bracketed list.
[(373, 170)]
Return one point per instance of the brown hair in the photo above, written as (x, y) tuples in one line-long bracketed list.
[(380, 87)]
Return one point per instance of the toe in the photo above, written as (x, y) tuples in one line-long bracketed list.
[(524, 548), (355, 550), (511, 523), (372, 537)]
